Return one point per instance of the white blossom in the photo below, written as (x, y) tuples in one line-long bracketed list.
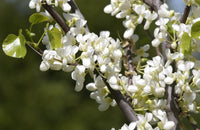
[(149, 18), (164, 12), (79, 75)]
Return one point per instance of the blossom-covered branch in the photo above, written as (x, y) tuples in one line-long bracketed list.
[(121, 101), (151, 89)]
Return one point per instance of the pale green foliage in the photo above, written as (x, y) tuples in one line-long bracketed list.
[(55, 38), (195, 30), (37, 18), (14, 46), (186, 44)]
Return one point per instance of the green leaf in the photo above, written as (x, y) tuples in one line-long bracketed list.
[(186, 44), (170, 28), (54, 37), (14, 46), (37, 18), (195, 30)]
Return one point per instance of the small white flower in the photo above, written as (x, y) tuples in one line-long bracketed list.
[(147, 89), (112, 80), (164, 12), (66, 7), (128, 33), (169, 80), (159, 91), (189, 97), (185, 66), (149, 18), (140, 10), (108, 9), (182, 28), (35, 4), (122, 14), (86, 62), (168, 125), (132, 88), (44, 66), (159, 36), (162, 22), (56, 65), (161, 115), (104, 105), (78, 74), (191, 107), (131, 126), (117, 54), (91, 87)]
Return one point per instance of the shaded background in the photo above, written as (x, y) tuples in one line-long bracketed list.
[(35, 100)]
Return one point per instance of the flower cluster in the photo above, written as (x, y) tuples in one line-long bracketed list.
[(83, 52), (144, 122), (133, 12), (101, 56)]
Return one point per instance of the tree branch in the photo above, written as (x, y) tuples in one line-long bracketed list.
[(129, 61), (185, 14), (56, 16), (172, 107)]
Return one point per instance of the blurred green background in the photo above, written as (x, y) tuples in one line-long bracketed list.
[(35, 100)]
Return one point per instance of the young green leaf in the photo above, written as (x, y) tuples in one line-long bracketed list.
[(54, 37), (170, 28), (14, 46), (195, 30), (186, 44), (37, 18)]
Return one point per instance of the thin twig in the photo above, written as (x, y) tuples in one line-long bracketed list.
[(165, 45), (38, 51), (185, 14), (130, 61), (172, 107), (56, 16)]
